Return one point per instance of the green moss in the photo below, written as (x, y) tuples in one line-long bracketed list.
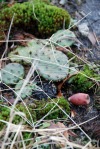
[(44, 20), (38, 110), (46, 106), (26, 136), (5, 115), (81, 82)]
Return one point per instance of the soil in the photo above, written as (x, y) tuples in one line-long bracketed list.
[(93, 21), (92, 8)]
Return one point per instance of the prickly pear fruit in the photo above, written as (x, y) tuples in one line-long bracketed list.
[(80, 99)]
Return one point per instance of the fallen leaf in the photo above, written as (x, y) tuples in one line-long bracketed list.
[(11, 3), (22, 37), (73, 113), (61, 83), (92, 38)]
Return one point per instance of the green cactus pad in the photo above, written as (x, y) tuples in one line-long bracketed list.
[(26, 54), (53, 64), (63, 38), (27, 91), (12, 73)]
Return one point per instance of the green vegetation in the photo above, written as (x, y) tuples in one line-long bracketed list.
[(52, 64), (38, 109), (5, 114), (41, 18), (45, 106), (26, 136), (12, 73), (81, 83)]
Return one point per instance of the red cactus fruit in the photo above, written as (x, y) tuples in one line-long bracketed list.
[(79, 99)]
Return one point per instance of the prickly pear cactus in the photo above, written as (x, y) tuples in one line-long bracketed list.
[(63, 38), (27, 91), (26, 54), (12, 73), (53, 64)]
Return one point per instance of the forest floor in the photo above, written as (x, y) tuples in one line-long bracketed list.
[(88, 13)]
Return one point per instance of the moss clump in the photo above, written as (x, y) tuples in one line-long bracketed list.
[(81, 83), (37, 110), (44, 20), (45, 106), (5, 115), (22, 108), (26, 136)]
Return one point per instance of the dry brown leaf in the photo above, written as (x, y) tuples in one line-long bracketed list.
[(73, 113), (61, 83), (22, 37), (57, 129), (61, 125), (52, 125), (92, 38)]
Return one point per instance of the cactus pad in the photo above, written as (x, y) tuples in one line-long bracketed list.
[(27, 91), (26, 54), (12, 73), (63, 38), (53, 64)]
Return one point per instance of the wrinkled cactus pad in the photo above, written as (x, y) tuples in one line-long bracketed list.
[(47, 90), (12, 73)]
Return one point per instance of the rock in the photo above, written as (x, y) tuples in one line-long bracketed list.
[(80, 99), (47, 90), (62, 2), (84, 29), (79, 2)]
